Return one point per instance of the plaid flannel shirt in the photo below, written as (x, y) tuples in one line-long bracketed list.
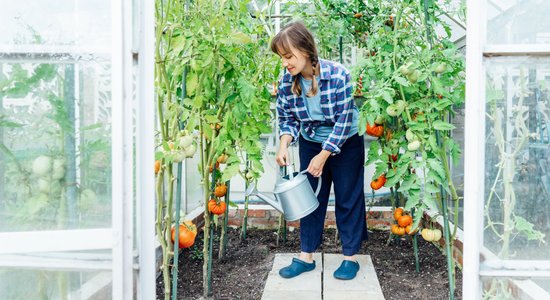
[(336, 103)]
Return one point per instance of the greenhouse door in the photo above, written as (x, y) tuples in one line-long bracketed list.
[(507, 152), (76, 150)]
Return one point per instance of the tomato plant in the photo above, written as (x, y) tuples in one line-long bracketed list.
[(210, 100), (413, 73)]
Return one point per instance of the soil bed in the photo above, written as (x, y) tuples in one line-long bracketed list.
[(243, 273)]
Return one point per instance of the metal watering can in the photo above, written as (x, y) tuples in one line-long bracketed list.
[(294, 196)]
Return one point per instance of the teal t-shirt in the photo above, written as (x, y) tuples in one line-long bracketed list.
[(313, 106)]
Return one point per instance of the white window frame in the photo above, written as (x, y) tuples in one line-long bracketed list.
[(474, 166), (47, 249)]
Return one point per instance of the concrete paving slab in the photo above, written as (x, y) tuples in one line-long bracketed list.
[(320, 283), (306, 286), (364, 286)]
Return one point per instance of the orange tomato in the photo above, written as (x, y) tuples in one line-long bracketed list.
[(220, 190), (397, 230), (215, 207), (397, 213), (378, 183), (375, 130), (186, 236), (157, 166), (404, 220)]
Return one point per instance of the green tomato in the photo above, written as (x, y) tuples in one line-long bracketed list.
[(42, 165), (393, 111), (44, 185), (410, 136), (413, 146), (178, 155), (440, 68), (406, 69), (186, 141), (401, 105), (190, 151), (58, 168), (413, 77)]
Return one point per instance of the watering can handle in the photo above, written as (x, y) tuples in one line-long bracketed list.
[(318, 183)]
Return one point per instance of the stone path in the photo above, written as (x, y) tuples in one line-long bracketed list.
[(319, 283)]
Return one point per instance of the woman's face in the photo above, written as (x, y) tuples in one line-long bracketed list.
[(294, 61)]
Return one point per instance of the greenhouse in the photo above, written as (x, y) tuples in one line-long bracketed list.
[(275, 149)]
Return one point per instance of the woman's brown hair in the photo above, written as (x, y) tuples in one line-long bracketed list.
[(296, 35)]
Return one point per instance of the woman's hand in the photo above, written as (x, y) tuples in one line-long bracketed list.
[(317, 163), (282, 156)]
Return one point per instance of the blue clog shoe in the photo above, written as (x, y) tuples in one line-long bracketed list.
[(296, 268), (347, 270)]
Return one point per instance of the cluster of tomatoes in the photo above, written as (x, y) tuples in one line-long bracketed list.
[(404, 226), (404, 223), (215, 205)]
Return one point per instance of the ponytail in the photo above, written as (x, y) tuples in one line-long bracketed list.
[(314, 86)]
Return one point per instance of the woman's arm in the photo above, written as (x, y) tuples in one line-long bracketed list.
[(344, 108)]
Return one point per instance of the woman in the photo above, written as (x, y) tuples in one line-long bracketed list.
[(315, 106)]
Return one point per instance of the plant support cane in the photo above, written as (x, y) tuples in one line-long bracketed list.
[(223, 236)]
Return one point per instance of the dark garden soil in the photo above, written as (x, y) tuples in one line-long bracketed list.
[(243, 273)]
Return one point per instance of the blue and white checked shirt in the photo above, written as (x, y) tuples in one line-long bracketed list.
[(336, 103)]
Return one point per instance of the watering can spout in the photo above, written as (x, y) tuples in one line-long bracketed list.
[(252, 191)]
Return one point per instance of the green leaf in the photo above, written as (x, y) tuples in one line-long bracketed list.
[(436, 165), (402, 81), (431, 188), (432, 175), (441, 125), (418, 215), (429, 201), (373, 155), (526, 228), (407, 183), (230, 171), (237, 38), (381, 168), (387, 96), (412, 200), (192, 84)]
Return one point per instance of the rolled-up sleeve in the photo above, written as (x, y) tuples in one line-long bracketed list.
[(344, 109), (287, 122)]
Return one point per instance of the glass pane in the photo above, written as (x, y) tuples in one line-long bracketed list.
[(45, 284), (518, 22), (59, 23), (517, 158), (55, 169), (543, 284), (55, 145)]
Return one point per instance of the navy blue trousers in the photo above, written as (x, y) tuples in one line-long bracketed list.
[(346, 171)]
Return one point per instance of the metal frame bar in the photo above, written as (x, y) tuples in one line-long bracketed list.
[(514, 273), (55, 240), (473, 150), (118, 146), (516, 50), (53, 263), (145, 124)]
